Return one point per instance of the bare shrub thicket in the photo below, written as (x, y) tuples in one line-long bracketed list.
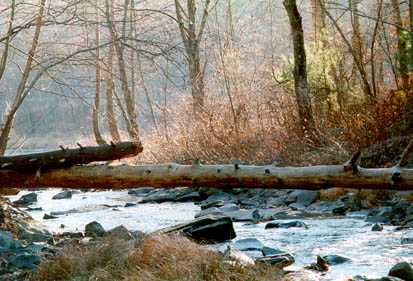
[(158, 257)]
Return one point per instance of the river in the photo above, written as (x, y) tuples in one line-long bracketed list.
[(372, 253)]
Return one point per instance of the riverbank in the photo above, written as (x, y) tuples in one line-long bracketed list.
[(347, 232)]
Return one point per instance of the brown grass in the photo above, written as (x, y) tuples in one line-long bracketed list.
[(159, 257)]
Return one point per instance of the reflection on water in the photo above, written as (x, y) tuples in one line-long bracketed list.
[(373, 253)]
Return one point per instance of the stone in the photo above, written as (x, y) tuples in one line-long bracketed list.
[(248, 244), (94, 229), (279, 260), (307, 197), (29, 198), (400, 209), (216, 204), (407, 240), (119, 232), (378, 219), (209, 211), (267, 251), (160, 196), (23, 261), (402, 270), (128, 204), (221, 196), (48, 217), (296, 206), (67, 194), (249, 203), (340, 210), (6, 240), (286, 225), (234, 255), (210, 229), (292, 197), (257, 215), (302, 275), (140, 191), (336, 259), (377, 227), (277, 201), (34, 237), (191, 196)]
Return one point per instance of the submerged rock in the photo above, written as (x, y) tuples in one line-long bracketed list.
[(208, 228), (248, 244)]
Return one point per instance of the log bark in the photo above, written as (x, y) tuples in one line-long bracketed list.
[(219, 176), (28, 163)]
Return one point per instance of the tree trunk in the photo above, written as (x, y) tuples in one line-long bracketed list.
[(356, 40), (218, 176), (110, 86), (192, 38), (3, 61), (4, 137), (403, 53), (127, 94), (300, 72), (69, 157), (318, 20), (96, 130)]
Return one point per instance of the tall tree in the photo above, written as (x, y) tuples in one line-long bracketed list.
[(96, 130), (110, 86), (133, 128), (4, 137), (318, 19), (300, 69), (403, 54), (192, 37)]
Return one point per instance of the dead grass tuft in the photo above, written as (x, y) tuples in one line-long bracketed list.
[(159, 257)]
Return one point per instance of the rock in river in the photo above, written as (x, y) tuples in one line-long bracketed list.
[(402, 270), (94, 229), (286, 225), (63, 195), (208, 228)]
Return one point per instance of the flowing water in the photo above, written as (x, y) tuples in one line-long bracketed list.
[(372, 253)]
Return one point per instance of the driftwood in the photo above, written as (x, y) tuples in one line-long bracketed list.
[(348, 175), (69, 157)]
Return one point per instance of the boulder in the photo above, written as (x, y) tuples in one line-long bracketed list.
[(210, 229), (277, 201), (23, 261), (6, 240), (248, 244), (216, 204), (48, 217), (257, 215), (233, 254), (119, 232), (189, 197), (307, 197), (340, 210), (26, 199), (286, 225), (128, 204), (402, 270), (336, 259), (94, 229), (140, 191), (407, 240), (67, 194), (267, 251), (221, 196), (279, 260), (377, 227), (34, 237), (249, 203)]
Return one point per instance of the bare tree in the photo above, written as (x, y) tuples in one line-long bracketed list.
[(192, 37), (133, 128), (4, 137), (300, 72)]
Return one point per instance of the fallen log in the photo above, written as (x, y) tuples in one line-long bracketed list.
[(219, 176), (69, 157), (348, 175)]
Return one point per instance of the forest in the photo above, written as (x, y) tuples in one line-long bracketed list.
[(264, 81)]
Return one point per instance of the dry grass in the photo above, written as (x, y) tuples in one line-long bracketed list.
[(159, 257)]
